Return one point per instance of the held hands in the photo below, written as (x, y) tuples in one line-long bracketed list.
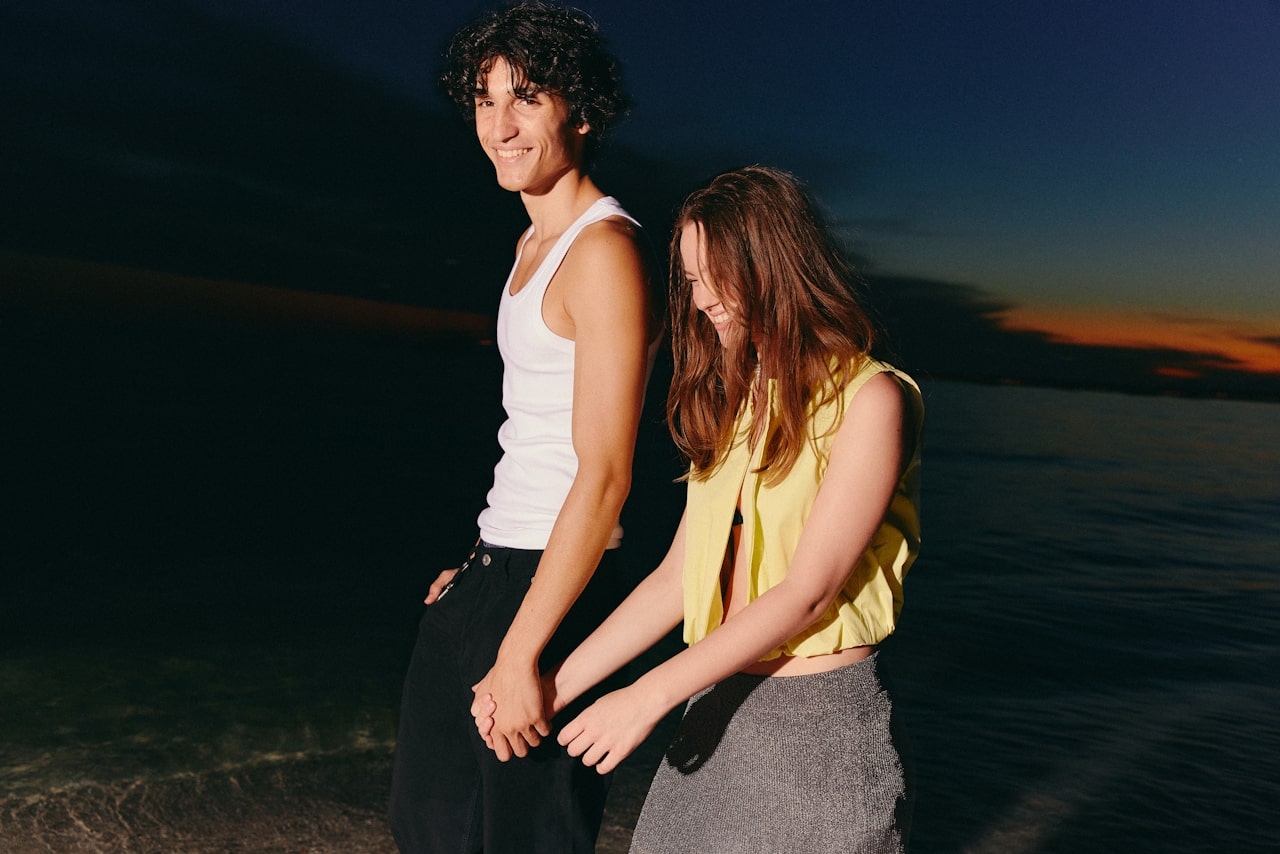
[(517, 723), (606, 732), (483, 708)]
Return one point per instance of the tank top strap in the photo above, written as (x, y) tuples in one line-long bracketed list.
[(600, 209)]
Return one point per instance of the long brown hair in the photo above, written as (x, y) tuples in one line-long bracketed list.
[(775, 266)]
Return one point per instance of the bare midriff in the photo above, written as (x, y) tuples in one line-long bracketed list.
[(735, 581)]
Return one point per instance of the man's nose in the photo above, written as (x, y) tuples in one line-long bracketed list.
[(504, 124)]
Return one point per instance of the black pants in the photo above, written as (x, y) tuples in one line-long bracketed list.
[(449, 793)]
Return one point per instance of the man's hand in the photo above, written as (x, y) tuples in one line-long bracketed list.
[(611, 728), (483, 708), (440, 586), (514, 703)]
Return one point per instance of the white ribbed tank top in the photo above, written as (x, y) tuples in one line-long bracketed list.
[(538, 463)]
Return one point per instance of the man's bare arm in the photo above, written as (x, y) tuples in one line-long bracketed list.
[(603, 292)]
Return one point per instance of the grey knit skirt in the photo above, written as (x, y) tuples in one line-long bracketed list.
[(781, 765)]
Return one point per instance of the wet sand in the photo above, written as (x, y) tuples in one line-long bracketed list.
[(313, 806), (323, 806)]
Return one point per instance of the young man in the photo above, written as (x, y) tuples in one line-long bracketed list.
[(576, 329)]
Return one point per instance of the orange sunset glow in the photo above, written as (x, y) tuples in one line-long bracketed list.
[(1247, 345)]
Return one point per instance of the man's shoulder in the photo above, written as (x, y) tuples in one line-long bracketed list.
[(607, 275), (617, 230), (613, 245)]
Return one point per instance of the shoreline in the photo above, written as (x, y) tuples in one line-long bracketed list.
[(334, 804), (318, 806)]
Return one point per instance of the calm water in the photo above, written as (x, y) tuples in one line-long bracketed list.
[(1091, 641), (1087, 658)]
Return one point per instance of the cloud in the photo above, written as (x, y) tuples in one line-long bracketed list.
[(952, 330)]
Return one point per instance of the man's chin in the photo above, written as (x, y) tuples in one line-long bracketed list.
[(508, 183)]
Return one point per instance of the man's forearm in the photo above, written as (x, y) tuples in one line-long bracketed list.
[(578, 541)]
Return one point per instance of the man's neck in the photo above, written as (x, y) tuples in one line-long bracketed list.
[(555, 210)]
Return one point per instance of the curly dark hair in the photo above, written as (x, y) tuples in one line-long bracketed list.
[(549, 48)]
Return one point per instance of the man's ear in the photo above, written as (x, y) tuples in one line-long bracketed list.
[(584, 128)]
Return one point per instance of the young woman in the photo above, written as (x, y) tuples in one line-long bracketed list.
[(786, 569)]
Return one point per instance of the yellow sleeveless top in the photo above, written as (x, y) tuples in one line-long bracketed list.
[(865, 611)]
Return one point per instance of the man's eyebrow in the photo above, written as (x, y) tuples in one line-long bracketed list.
[(527, 90), (520, 90)]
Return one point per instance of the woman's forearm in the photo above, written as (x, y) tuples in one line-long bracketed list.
[(752, 633), (653, 609)]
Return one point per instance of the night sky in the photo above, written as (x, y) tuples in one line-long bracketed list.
[(1051, 174)]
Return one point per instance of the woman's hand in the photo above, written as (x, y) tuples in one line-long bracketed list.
[(611, 728), (483, 709)]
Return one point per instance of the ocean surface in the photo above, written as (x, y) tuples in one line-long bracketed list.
[(214, 565)]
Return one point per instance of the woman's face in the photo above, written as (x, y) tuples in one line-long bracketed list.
[(693, 257)]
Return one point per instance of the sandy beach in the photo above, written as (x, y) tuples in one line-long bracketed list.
[(318, 806)]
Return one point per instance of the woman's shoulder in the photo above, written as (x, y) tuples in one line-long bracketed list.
[(866, 381), (852, 375)]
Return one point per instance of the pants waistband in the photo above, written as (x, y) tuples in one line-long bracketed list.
[(485, 544), (494, 547)]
